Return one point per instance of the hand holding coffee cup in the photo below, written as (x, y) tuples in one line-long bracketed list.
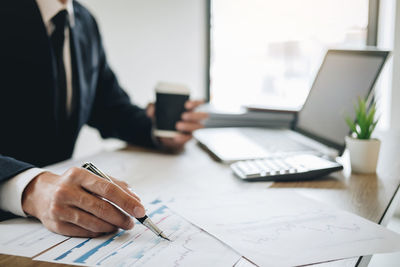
[(174, 115), (170, 105)]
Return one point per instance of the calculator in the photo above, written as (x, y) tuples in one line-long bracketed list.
[(293, 167)]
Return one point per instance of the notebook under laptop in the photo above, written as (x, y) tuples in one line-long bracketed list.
[(320, 127)]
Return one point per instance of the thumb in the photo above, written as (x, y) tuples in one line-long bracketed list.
[(150, 110)]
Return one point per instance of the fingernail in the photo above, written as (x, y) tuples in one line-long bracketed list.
[(184, 116), (139, 212)]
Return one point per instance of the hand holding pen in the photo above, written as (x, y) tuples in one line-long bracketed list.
[(72, 204), (146, 221)]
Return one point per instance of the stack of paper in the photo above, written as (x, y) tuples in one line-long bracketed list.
[(270, 228), (274, 228)]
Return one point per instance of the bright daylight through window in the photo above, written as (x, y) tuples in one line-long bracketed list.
[(266, 52)]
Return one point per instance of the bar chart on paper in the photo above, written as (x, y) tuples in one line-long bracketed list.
[(190, 246)]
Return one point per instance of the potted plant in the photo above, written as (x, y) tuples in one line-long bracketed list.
[(363, 149)]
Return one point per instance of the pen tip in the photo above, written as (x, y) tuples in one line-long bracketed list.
[(165, 237)]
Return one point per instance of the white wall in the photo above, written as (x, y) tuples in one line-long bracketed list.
[(147, 41), (395, 107), (385, 40), (395, 93)]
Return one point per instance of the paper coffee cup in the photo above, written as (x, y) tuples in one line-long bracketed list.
[(170, 104)]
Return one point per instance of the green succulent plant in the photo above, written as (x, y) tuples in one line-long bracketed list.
[(365, 122)]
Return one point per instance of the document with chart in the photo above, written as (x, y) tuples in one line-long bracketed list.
[(26, 237), (189, 246), (267, 226)]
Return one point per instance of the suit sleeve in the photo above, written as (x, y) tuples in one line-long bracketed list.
[(12, 190), (10, 167), (113, 114)]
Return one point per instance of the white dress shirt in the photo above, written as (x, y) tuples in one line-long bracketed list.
[(11, 190)]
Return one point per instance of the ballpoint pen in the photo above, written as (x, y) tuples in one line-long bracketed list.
[(146, 221)]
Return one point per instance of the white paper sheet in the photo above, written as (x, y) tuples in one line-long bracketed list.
[(279, 228), (26, 237), (243, 262), (190, 246)]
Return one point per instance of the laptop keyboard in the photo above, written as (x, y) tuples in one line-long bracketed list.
[(232, 144), (276, 141)]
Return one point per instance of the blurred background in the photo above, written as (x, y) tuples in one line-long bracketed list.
[(274, 48)]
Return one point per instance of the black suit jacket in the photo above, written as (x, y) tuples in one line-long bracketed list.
[(30, 132)]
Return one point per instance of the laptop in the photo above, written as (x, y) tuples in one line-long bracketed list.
[(319, 127)]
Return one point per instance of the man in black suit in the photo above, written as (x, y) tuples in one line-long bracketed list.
[(54, 78)]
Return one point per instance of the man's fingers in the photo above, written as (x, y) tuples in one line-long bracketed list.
[(150, 110), (192, 104), (69, 229), (125, 187), (86, 221), (102, 210), (181, 139), (177, 142), (113, 193), (194, 116), (188, 127)]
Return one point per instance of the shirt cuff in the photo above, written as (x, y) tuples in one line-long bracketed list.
[(11, 191)]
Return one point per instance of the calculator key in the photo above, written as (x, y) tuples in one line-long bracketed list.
[(261, 165), (243, 166), (271, 165), (280, 163)]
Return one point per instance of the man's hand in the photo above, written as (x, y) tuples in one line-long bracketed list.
[(191, 121), (70, 204)]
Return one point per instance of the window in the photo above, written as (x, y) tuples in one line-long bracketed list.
[(266, 52)]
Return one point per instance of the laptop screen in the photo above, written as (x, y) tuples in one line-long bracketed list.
[(343, 76)]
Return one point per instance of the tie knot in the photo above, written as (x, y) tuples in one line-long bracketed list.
[(60, 20)]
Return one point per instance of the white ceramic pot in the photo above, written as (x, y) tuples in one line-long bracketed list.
[(363, 154)]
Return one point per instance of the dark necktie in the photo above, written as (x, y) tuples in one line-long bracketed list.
[(60, 22)]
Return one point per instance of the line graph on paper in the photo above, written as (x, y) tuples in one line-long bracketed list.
[(266, 227), (279, 227), (140, 247)]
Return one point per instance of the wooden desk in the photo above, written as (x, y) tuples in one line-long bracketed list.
[(371, 196)]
